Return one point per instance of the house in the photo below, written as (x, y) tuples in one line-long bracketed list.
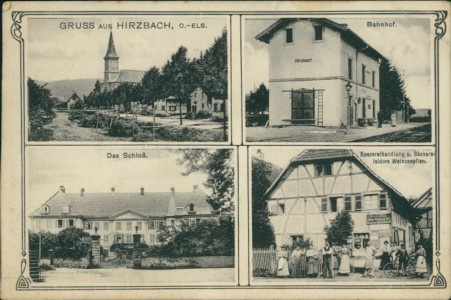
[(423, 209), (113, 77), (169, 105), (74, 99), (117, 216), (199, 102), (311, 61), (319, 183)]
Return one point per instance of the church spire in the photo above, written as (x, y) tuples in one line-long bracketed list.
[(111, 52)]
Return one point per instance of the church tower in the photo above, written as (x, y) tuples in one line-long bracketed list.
[(111, 63)]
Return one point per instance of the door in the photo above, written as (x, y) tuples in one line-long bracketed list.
[(363, 108), (303, 107)]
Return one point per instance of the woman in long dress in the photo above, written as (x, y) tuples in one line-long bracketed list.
[(312, 262), (282, 265), (420, 267), (345, 263), (393, 119), (296, 262), (303, 263)]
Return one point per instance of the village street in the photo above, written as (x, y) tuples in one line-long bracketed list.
[(124, 276), (318, 134)]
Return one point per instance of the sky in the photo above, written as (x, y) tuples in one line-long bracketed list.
[(54, 53), (409, 179), (79, 167), (408, 46)]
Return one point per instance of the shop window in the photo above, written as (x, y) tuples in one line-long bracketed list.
[(363, 74), (289, 35), (323, 169), (350, 68), (324, 205), (383, 201), (361, 240), (333, 204), (358, 202), (348, 203), (318, 32)]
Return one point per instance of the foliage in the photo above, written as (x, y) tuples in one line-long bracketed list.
[(258, 101), (204, 238), (152, 85), (392, 90), (340, 228), (202, 114), (73, 243), (40, 108), (123, 128), (39, 97), (262, 230), (217, 164)]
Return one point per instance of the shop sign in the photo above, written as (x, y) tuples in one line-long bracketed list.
[(378, 219)]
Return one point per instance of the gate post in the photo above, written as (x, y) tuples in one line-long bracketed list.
[(95, 250), (136, 250)]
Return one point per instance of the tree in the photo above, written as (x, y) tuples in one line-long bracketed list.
[(262, 230), (73, 243), (39, 97), (217, 164), (178, 78), (258, 101), (152, 86), (340, 228)]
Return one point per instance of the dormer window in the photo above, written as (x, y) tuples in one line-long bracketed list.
[(288, 35), (191, 207), (66, 209), (45, 209)]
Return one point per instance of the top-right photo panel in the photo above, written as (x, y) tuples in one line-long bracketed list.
[(361, 79)]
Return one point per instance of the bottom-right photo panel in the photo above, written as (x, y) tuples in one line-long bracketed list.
[(357, 215)]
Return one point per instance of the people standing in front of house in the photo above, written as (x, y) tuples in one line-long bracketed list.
[(403, 258), (385, 257), (327, 261), (303, 263), (394, 250), (296, 262), (380, 118), (312, 262), (370, 252), (420, 267), (393, 119), (345, 262), (282, 265)]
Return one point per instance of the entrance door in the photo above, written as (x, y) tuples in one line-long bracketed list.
[(363, 108), (303, 107)]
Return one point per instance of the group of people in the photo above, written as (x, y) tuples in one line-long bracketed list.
[(312, 263)]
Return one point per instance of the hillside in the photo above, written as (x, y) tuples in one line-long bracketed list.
[(63, 89)]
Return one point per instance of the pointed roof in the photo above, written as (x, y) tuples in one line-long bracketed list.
[(111, 52)]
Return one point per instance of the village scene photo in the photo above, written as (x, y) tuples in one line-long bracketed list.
[(156, 217), (338, 79), (137, 79), (342, 215)]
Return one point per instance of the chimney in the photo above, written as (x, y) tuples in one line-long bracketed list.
[(260, 154), (195, 188), (142, 191), (172, 190), (62, 189), (82, 192)]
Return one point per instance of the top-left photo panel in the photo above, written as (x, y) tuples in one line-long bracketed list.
[(126, 78)]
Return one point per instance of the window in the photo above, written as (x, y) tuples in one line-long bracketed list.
[(373, 79), (222, 107), (191, 207), (382, 201), (118, 225), (215, 107), (324, 205), (358, 202), (323, 170), (203, 105), (139, 224), (105, 225), (350, 68), (128, 238), (172, 108), (297, 239), (361, 240), (370, 202), (289, 35), (96, 225), (129, 225), (363, 74), (348, 203), (152, 238), (71, 222), (318, 32), (118, 238), (160, 224), (105, 238), (88, 225), (45, 209), (163, 107), (333, 204), (195, 102), (151, 225)]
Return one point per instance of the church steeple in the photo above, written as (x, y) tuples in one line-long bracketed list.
[(111, 72)]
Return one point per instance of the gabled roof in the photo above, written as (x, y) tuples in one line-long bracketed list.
[(401, 204), (109, 205), (111, 51), (347, 34), (424, 201), (133, 76)]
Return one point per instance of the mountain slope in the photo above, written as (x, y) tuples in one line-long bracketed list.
[(63, 89)]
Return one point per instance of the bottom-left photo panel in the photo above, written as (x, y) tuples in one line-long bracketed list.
[(121, 217)]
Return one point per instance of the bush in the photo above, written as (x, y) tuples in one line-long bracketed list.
[(256, 120), (203, 114), (123, 128), (143, 137), (45, 267)]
